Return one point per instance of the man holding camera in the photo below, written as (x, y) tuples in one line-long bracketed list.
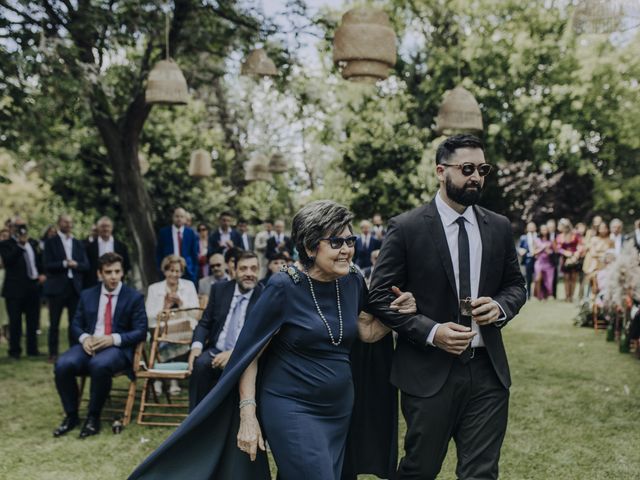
[(22, 260)]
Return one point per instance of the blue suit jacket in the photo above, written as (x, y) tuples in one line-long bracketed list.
[(189, 249), (528, 260), (129, 318), (363, 255), (53, 258), (214, 241)]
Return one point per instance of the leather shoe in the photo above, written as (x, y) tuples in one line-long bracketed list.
[(68, 424), (91, 427)]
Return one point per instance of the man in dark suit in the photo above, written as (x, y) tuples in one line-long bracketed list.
[(104, 243), (178, 239), (23, 263), (246, 240), (109, 323), (450, 363), (224, 237), (365, 244), (279, 242), (526, 245), (65, 263), (218, 329)]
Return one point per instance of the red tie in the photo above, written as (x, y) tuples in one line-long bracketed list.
[(179, 243), (107, 316)]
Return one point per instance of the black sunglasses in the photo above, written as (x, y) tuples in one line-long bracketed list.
[(467, 169), (337, 242)]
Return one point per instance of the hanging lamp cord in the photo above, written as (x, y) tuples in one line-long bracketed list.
[(166, 34)]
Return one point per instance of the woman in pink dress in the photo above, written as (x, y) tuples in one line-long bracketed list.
[(544, 268), (568, 246)]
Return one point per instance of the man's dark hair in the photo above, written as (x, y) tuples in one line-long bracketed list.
[(447, 148), (226, 213), (244, 255), (231, 254), (242, 220), (279, 256), (109, 259)]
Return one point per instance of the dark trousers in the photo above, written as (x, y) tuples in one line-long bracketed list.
[(471, 408), (101, 367), (57, 303), (203, 378), (29, 306), (528, 273)]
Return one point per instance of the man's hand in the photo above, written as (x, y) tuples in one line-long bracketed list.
[(485, 311), (72, 263), (41, 279), (220, 360), (193, 354), (100, 343), (87, 346), (453, 338)]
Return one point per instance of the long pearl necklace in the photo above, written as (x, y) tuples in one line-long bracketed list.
[(326, 324)]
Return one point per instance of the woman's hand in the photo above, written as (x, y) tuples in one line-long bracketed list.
[(405, 303), (249, 433), (370, 329)]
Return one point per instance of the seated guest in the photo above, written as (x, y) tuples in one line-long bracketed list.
[(224, 237), (218, 329), (22, 261), (365, 244), (105, 243), (279, 242), (180, 240), (218, 274), (171, 293), (274, 266), (109, 322)]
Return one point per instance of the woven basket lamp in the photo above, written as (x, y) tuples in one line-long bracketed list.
[(364, 45), (200, 164), (257, 169), (277, 164), (258, 63), (459, 112), (598, 16)]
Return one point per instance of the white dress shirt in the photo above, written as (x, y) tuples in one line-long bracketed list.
[(174, 235), (102, 309), (32, 270), (225, 237), (365, 240), (245, 241), (67, 243), (243, 312), (105, 246)]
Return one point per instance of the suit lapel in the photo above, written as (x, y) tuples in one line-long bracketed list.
[(95, 306), (434, 226), (485, 236), (122, 298)]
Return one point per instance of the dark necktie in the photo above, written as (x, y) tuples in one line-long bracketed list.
[(464, 267), (179, 243)]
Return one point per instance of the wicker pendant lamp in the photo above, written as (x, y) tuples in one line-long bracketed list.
[(257, 169), (278, 164), (459, 112), (200, 164), (166, 84), (598, 16), (258, 63), (364, 46)]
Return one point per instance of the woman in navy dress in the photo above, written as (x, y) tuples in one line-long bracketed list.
[(291, 367)]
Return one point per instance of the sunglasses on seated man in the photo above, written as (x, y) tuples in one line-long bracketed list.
[(467, 169), (337, 242)]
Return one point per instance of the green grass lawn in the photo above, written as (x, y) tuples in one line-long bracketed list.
[(575, 405)]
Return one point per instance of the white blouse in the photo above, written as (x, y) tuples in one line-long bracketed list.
[(157, 291)]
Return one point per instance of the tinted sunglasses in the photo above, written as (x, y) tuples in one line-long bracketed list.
[(337, 242), (467, 169)]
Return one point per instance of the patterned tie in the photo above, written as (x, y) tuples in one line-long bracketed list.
[(33, 275), (233, 332), (179, 243), (107, 315), (464, 267)]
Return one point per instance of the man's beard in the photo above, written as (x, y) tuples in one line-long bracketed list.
[(466, 195)]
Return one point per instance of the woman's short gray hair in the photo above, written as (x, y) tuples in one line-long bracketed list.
[(316, 220)]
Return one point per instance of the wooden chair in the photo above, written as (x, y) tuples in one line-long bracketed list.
[(173, 327), (599, 322), (121, 400)]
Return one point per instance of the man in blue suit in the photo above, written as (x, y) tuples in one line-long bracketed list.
[(224, 237), (109, 322), (218, 329), (525, 250), (365, 244), (65, 263), (178, 239)]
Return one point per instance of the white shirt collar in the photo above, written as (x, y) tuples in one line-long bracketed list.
[(176, 229), (64, 237), (246, 295), (115, 292), (449, 215)]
